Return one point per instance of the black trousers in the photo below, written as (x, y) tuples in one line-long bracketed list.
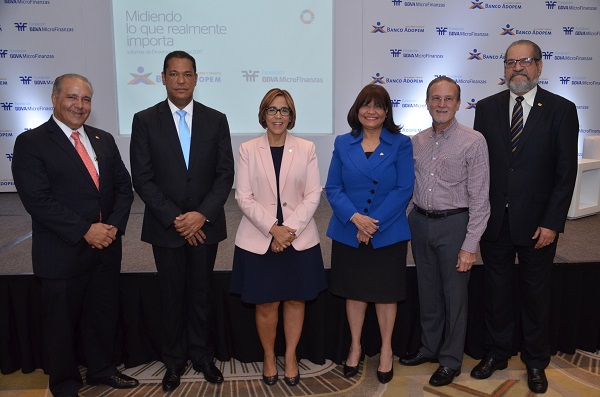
[(81, 308), (534, 271), (185, 278)]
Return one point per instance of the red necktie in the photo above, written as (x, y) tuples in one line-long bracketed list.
[(86, 158)]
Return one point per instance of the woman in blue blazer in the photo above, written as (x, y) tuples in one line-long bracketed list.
[(370, 181)]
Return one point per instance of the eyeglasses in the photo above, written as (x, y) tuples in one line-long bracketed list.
[(272, 111), (524, 62)]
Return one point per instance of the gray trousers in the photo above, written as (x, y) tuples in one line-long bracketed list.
[(443, 291)]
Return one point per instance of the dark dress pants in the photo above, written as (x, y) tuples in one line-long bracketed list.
[(83, 307), (534, 271), (185, 275), (443, 291)]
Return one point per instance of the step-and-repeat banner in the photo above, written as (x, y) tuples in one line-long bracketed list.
[(404, 45)]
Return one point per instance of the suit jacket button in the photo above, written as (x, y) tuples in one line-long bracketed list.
[(284, 204), (366, 210), (510, 170)]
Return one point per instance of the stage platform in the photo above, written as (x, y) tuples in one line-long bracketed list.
[(575, 321)]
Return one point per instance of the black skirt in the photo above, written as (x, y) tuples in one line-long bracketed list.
[(273, 277), (368, 274)]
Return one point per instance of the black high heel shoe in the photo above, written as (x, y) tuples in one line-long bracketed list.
[(292, 380), (385, 377), (349, 371), (270, 380)]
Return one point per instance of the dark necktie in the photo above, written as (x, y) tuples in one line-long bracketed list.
[(516, 125)]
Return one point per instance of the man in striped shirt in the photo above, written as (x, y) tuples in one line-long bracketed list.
[(450, 209)]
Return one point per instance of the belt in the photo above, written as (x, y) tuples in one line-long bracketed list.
[(440, 214)]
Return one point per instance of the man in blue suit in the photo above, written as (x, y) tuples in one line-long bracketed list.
[(72, 181)]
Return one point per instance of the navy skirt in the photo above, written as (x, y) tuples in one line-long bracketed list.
[(273, 277)]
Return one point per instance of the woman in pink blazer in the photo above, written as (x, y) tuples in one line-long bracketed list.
[(277, 255)]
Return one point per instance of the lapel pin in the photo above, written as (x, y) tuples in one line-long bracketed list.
[(97, 137), (381, 153), (290, 150), (539, 104)]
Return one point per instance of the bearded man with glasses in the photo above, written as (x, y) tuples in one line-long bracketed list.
[(532, 137)]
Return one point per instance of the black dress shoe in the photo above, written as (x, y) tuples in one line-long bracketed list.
[(385, 377), (117, 381), (172, 379), (270, 380), (443, 376), (210, 371), (487, 366), (292, 380), (536, 380), (417, 358)]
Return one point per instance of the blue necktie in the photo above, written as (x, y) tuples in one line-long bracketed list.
[(185, 138)]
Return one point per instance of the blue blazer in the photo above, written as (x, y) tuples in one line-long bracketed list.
[(379, 187)]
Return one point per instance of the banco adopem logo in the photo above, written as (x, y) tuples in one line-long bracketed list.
[(480, 56), (9, 156), (250, 75), (140, 77), (378, 28), (501, 6), (502, 81), (25, 80), (380, 79), (472, 104), (6, 106), (377, 79), (507, 31), (6, 134)]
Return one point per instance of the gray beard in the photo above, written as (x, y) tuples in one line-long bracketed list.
[(521, 88)]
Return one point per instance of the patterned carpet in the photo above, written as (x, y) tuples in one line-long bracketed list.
[(569, 376)]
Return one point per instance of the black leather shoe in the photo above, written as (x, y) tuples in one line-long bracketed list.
[(443, 376), (385, 377), (117, 381), (536, 380), (487, 366), (270, 380), (172, 379), (292, 380), (210, 371), (417, 358)]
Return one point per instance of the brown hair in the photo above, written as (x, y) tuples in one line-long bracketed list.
[(270, 97), (380, 96)]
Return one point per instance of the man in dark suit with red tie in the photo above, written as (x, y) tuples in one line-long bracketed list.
[(532, 139), (182, 168), (72, 181)]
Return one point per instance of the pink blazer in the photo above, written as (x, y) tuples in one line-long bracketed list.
[(256, 193)]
